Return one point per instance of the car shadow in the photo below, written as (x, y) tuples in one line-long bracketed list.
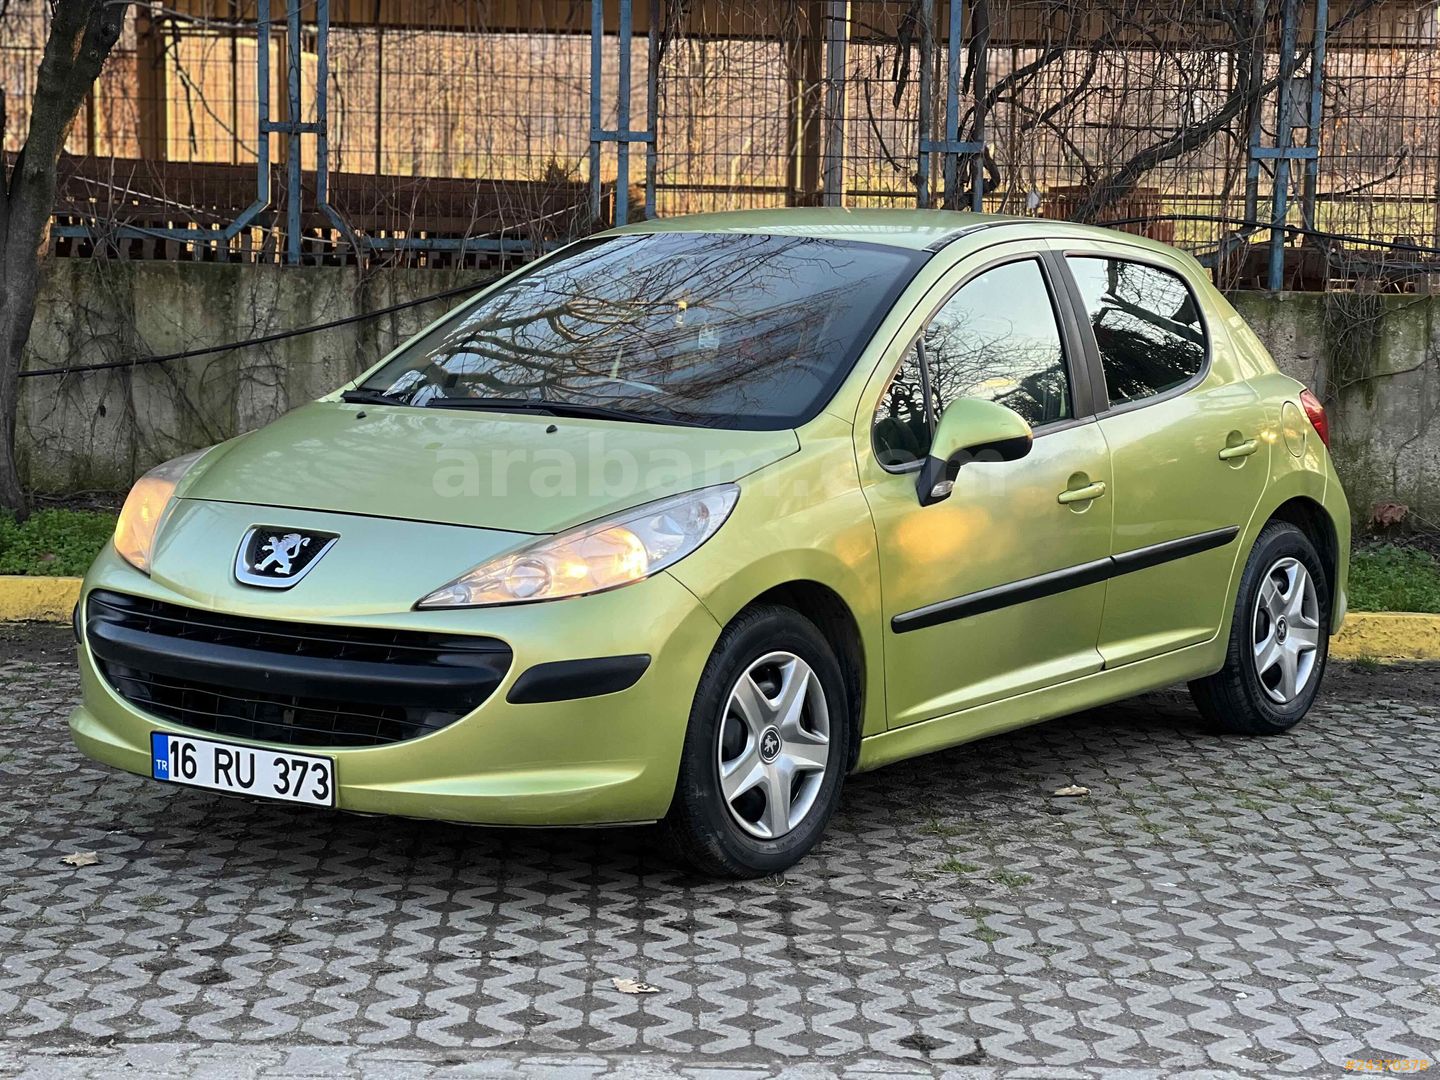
[(305, 849)]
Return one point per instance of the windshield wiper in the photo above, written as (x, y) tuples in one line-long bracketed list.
[(548, 408), (369, 397)]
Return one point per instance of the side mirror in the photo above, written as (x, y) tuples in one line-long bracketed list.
[(970, 429)]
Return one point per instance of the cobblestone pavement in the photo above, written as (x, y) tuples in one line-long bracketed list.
[(1215, 906), (220, 1062), (215, 1062)]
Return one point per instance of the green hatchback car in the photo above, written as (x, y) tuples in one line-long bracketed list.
[(687, 521)]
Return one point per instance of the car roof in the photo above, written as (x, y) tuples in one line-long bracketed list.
[(917, 230)]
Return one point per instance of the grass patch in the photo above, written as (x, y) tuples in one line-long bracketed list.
[(1010, 879), (53, 543), (1391, 578), (953, 865), (936, 827), (63, 543)]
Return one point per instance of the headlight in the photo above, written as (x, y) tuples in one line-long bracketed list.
[(145, 508), (604, 554)]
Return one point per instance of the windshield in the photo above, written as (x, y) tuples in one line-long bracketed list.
[(724, 329)]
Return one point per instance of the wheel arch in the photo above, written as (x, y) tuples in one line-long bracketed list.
[(836, 622), (1310, 517), (835, 584)]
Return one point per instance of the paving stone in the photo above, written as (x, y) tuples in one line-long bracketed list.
[(1215, 906)]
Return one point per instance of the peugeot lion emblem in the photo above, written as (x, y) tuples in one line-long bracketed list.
[(769, 745), (276, 558)]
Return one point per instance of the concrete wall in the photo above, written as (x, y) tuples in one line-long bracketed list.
[(98, 431), (1374, 360)]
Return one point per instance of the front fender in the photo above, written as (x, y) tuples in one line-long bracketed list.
[(803, 519)]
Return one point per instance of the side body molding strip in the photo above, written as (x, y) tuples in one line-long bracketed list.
[(1058, 581)]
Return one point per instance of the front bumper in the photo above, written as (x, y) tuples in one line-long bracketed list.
[(605, 759)]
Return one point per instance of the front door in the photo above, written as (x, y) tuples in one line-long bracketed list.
[(1187, 446), (986, 594)]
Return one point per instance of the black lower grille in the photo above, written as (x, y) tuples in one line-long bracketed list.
[(290, 683)]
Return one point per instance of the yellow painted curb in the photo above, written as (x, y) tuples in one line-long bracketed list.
[(1383, 635), (48, 599), (1388, 636)]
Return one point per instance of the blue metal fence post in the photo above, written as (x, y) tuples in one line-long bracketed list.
[(1317, 111), (952, 101), (262, 113), (837, 52), (622, 135), (652, 104), (1252, 163), (322, 102), (293, 126), (597, 66), (977, 132), (622, 119), (927, 59), (1284, 141), (322, 131), (950, 146)]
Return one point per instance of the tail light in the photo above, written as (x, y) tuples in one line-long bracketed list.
[(1316, 412)]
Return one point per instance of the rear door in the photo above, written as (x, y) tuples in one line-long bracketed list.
[(1187, 445)]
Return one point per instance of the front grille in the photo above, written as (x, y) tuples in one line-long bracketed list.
[(290, 683)]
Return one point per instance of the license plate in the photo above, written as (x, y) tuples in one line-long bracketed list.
[(270, 774)]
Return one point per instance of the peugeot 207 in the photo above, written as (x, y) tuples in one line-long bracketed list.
[(686, 521)]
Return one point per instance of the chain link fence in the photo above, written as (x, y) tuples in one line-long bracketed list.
[(1285, 143)]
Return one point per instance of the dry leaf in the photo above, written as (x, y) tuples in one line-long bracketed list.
[(634, 986), (1385, 514), (1072, 789), (81, 858)]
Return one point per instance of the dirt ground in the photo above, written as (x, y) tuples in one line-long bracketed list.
[(109, 501), (35, 642)]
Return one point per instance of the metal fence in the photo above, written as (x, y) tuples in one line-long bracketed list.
[(1288, 143)]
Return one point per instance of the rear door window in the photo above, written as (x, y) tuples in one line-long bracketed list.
[(1147, 326)]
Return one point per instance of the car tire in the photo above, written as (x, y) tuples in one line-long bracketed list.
[(1282, 605), (728, 825)]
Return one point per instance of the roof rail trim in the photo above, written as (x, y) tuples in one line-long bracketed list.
[(980, 226)]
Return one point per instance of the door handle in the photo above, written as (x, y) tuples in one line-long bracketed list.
[(1081, 494), (1245, 449)]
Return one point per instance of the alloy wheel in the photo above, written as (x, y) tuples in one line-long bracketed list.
[(1286, 630), (774, 745)]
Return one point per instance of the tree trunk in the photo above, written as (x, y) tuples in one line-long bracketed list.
[(19, 283), (82, 33), (17, 308)]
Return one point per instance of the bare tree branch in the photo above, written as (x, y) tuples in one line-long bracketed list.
[(1249, 91)]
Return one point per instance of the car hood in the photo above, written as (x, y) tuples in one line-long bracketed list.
[(511, 471)]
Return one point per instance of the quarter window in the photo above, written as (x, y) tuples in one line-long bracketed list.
[(902, 425), (1146, 323), (996, 338)]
